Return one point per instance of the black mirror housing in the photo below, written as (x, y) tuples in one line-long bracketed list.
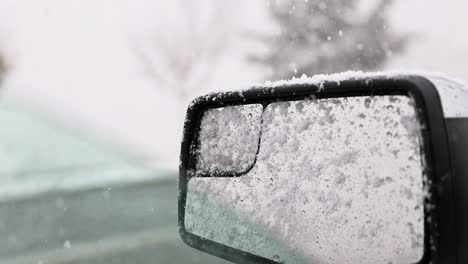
[(445, 143)]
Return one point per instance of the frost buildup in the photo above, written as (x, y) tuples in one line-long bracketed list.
[(336, 181), (229, 138)]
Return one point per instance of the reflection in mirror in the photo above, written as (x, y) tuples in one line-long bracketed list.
[(338, 180), (228, 139)]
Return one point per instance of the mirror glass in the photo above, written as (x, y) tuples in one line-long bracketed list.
[(228, 138), (336, 180)]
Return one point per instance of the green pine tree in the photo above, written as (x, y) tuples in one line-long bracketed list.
[(328, 36)]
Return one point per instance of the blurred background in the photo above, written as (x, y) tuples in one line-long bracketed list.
[(93, 95)]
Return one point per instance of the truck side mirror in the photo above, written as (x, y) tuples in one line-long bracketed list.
[(364, 169)]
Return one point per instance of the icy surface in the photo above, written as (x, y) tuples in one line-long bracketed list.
[(229, 138), (335, 181)]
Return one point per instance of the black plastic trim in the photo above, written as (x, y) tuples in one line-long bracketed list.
[(457, 129)]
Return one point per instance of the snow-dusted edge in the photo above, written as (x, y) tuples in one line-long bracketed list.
[(453, 92)]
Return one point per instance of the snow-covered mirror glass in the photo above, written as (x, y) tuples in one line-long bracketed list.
[(228, 139), (336, 180)]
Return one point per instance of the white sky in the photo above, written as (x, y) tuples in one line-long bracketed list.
[(441, 35), (75, 59)]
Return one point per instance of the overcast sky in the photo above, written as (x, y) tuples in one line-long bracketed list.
[(76, 60)]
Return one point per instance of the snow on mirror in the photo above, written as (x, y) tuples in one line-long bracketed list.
[(229, 138), (337, 180)]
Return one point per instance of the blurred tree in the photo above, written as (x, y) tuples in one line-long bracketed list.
[(318, 36), (3, 68), (183, 56)]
